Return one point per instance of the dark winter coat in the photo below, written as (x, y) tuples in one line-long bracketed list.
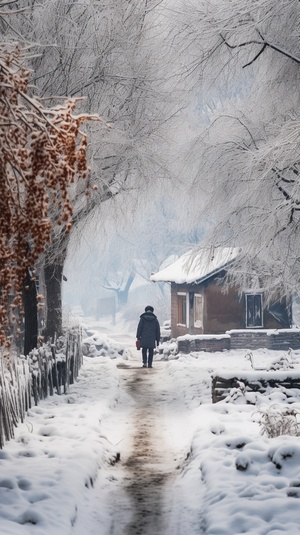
[(148, 331)]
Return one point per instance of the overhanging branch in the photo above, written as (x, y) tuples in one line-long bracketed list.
[(264, 44)]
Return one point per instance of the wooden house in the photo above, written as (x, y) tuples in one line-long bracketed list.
[(201, 304)]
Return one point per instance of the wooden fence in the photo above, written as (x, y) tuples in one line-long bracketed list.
[(254, 382), (47, 370)]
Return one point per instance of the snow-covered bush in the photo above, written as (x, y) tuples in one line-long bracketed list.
[(237, 394), (165, 331), (278, 420), (167, 350), (281, 363)]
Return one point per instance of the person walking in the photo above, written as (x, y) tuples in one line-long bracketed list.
[(148, 332)]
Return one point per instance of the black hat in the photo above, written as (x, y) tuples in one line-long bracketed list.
[(149, 308)]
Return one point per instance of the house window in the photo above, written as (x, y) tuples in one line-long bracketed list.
[(182, 309), (254, 316), (198, 311)]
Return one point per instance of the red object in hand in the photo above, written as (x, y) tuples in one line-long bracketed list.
[(138, 344)]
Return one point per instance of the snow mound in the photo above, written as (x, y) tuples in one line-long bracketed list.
[(99, 345)]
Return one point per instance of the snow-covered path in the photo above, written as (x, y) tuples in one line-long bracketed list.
[(150, 463), (149, 428), (133, 451)]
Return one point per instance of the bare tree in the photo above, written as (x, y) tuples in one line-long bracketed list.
[(123, 249)]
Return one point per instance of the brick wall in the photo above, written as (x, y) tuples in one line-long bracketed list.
[(203, 343), (280, 340)]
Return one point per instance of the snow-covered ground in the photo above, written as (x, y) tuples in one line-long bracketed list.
[(137, 451)]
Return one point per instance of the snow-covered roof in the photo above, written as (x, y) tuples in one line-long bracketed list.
[(197, 266)]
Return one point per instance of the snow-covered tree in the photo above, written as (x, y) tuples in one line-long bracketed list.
[(113, 54), (121, 255), (243, 59), (43, 154)]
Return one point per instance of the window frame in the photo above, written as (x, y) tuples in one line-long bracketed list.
[(200, 326), (186, 296), (253, 295)]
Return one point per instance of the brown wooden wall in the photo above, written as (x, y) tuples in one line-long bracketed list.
[(178, 330), (270, 322), (221, 311)]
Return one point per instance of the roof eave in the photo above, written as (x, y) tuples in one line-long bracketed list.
[(204, 277)]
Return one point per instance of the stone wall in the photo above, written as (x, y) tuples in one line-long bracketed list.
[(281, 340), (277, 339), (209, 343)]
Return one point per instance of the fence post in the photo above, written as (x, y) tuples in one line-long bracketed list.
[(33, 378)]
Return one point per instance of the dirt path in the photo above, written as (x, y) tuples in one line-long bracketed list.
[(151, 464)]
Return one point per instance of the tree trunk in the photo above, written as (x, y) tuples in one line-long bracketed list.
[(30, 314), (123, 294), (53, 273)]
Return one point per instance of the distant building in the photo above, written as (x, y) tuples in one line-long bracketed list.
[(201, 305)]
